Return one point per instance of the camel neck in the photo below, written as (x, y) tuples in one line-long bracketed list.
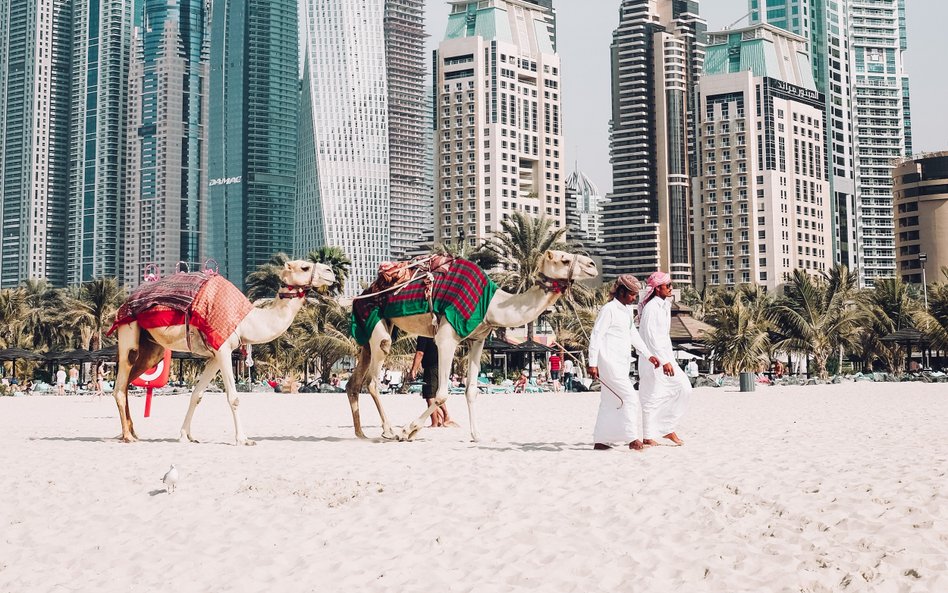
[(266, 323), (512, 310)]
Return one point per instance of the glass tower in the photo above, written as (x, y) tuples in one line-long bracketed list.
[(343, 174), (100, 58), (253, 132), (164, 214), (35, 45)]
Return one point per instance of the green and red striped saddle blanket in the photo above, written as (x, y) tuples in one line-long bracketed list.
[(460, 292)]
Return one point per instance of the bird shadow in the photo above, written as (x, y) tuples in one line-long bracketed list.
[(158, 491)]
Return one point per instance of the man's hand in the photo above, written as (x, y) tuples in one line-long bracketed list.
[(594, 373), (668, 369), (654, 361)]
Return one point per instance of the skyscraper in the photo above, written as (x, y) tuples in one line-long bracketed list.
[(498, 119), (825, 26), (100, 60), (584, 204), (253, 133), (35, 54), (857, 53), (762, 206), (882, 127), (408, 114), (343, 174), (164, 214), (657, 56)]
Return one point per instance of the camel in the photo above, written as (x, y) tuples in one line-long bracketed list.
[(140, 349), (557, 270)]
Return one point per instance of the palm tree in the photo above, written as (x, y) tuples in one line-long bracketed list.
[(12, 312), (264, 282), (93, 308), (43, 304), (322, 333), (336, 259), (740, 338), (934, 322), (819, 315), (891, 307)]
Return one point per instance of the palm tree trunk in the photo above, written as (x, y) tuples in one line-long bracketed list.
[(529, 340)]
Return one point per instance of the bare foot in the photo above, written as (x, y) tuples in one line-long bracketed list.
[(601, 447), (649, 442), (450, 424), (636, 445), (674, 438)]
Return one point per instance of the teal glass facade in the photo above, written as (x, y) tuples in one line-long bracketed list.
[(253, 131)]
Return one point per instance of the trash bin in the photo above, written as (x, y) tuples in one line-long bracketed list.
[(748, 381)]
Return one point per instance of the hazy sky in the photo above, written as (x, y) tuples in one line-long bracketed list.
[(585, 32)]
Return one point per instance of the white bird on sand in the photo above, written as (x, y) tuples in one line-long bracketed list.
[(170, 479)]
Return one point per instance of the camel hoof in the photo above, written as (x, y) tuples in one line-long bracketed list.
[(186, 438), (247, 443), (129, 438), (361, 435), (388, 435)]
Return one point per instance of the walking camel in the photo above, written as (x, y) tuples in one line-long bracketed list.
[(140, 349), (557, 270)]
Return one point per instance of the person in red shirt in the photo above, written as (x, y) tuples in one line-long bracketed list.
[(555, 363)]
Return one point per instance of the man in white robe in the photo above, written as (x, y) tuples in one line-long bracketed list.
[(610, 358), (664, 395)]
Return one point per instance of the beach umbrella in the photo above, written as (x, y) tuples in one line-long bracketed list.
[(15, 354)]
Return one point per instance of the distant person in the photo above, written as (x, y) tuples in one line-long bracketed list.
[(610, 357), (664, 396), (99, 384), (521, 384), (568, 373), (555, 365), (61, 381), (692, 371), (426, 360), (74, 379)]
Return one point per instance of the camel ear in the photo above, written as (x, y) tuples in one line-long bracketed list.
[(286, 266), (549, 255)]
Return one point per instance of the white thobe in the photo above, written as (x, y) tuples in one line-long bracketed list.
[(610, 349), (664, 399)]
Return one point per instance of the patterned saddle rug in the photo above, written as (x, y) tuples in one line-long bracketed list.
[(207, 302), (456, 289)]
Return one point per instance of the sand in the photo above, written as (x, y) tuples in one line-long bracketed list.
[(814, 489)]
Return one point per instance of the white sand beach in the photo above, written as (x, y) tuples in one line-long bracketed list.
[(788, 489)]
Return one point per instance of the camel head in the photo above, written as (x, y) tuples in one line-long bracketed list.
[(558, 270), (298, 277)]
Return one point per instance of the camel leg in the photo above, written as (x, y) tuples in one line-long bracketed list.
[(354, 386), (149, 354), (128, 337), (222, 357), (447, 341), (380, 347), (207, 375), (470, 392)]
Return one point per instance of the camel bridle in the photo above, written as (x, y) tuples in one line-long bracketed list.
[(289, 291), (558, 285)]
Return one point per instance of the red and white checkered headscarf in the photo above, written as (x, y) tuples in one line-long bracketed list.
[(654, 281)]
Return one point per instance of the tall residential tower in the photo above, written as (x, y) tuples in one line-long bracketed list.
[(167, 175), (100, 60), (498, 118), (35, 53), (409, 123), (657, 57), (762, 206)]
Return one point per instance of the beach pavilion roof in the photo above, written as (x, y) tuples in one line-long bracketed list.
[(684, 327)]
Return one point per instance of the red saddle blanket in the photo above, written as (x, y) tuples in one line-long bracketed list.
[(211, 304)]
